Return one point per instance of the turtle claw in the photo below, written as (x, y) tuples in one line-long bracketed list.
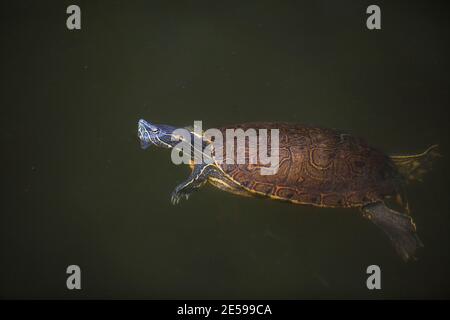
[(177, 195)]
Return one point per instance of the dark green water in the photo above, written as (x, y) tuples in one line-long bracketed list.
[(77, 189)]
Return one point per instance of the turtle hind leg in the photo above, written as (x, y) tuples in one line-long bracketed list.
[(414, 167), (399, 227)]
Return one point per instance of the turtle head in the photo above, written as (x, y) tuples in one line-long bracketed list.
[(160, 135)]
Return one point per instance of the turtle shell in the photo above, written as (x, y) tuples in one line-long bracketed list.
[(317, 166)]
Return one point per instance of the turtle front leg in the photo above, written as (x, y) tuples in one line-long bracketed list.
[(198, 177)]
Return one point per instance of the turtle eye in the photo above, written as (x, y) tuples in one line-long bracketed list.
[(154, 130)]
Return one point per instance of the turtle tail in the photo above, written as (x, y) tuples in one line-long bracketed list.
[(413, 167)]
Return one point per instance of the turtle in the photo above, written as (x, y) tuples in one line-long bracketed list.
[(317, 166)]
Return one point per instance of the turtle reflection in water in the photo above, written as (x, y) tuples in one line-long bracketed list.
[(319, 167)]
